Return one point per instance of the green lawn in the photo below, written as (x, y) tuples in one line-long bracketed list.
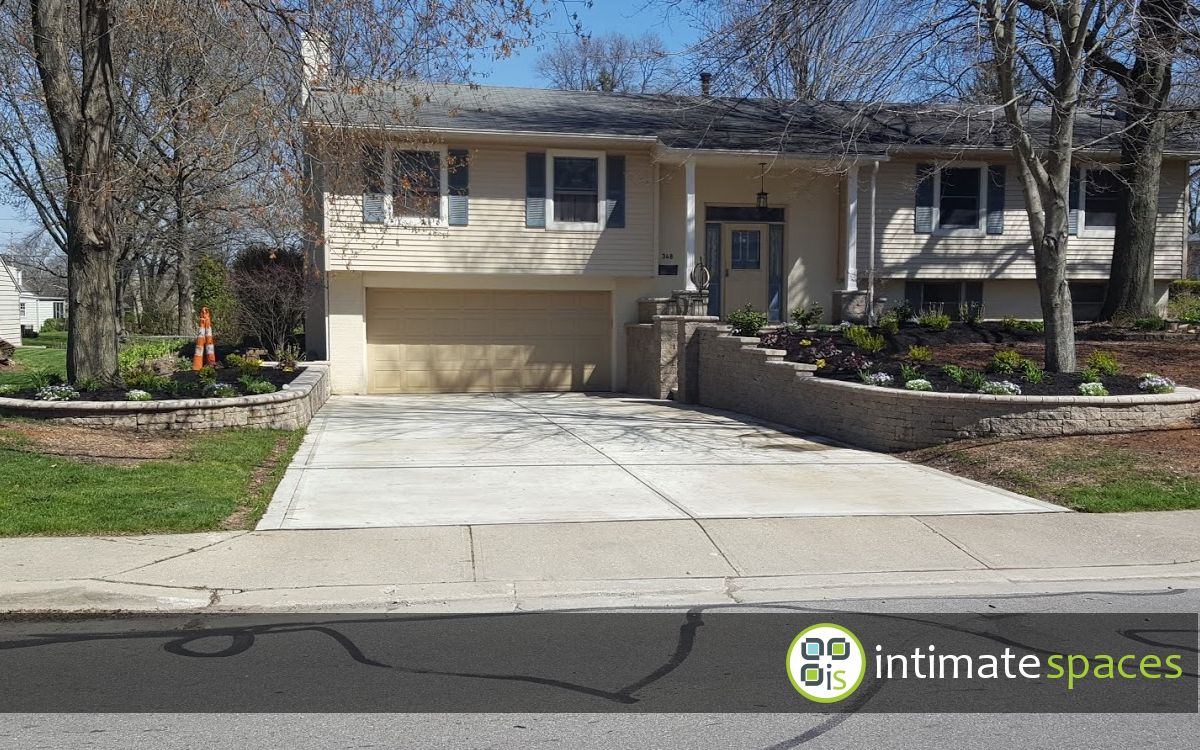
[(31, 360), (215, 476), (1095, 474), (49, 339)]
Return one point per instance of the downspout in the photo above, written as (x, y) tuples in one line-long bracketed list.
[(871, 251)]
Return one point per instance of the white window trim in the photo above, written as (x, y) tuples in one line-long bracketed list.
[(977, 231), (601, 192), (1084, 229), (443, 219)]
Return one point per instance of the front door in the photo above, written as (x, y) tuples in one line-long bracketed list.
[(745, 267)]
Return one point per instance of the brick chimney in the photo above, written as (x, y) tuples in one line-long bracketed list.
[(706, 84)]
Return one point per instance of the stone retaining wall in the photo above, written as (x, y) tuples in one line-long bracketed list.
[(735, 374), (289, 408)]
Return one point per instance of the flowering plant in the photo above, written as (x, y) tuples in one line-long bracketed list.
[(881, 379), (1092, 389), (1151, 383), (137, 394), (919, 384), (1000, 388), (56, 393)]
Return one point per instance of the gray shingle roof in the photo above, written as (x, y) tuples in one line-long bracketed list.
[(803, 128)]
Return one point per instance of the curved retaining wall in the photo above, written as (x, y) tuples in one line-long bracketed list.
[(737, 375), (289, 408)]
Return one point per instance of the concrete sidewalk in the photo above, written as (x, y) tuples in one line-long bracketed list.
[(624, 563)]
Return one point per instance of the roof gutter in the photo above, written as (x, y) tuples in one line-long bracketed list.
[(485, 132)]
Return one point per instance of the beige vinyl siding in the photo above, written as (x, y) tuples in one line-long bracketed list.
[(496, 240), (10, 307), (901, 253)]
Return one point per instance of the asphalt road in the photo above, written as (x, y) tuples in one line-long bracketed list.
[(984, 731)]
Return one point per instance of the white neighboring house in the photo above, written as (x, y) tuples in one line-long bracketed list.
[(10, 305), (36, 308)]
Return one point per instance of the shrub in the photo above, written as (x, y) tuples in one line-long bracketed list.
[(1151, 323), (1000, 388), (183, 364), (207, 374), (148, 381), (881, 379), (889, 324), (88, 384), (1151, 383), (7, 389), (246, 366), (857, 362), (54, 325), (39, 379), (1092, 389), (1103, 362), (1032, 372), (157, 356), (56, 393), (256, 385), (973, 379), (918, 384), (1013, 325), (934, 318), (1184, 286), (138, 395), (921, 354), (1089, 375), (290, 357), (904, 312), (221, 390), (807, 316), (272, 293), (212, 290), (909, 372), (955, 373), (826, 348), (971, 313), (1005, 362), (861, 337), (1185, 307), (746, 321)]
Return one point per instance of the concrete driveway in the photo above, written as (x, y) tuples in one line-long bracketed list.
[(377, 461)]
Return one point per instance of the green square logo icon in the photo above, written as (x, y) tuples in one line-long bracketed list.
[(812, 675), (837, 648)]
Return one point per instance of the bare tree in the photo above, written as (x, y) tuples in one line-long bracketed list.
[(1145, 78), (1049, 41), (614, 62)]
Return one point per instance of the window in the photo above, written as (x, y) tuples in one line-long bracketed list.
[(60, 309), (1100, 197), (405, 186), (960, 203), (948, 296), (417, 185), (576, 190), (745, 249), (22, 313)]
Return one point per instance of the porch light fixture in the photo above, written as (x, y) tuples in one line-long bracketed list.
[(761, 198)]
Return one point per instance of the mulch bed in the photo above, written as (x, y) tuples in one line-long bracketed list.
[(188, 383), (972, 346)]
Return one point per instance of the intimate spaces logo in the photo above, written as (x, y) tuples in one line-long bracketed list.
[(826, 663)]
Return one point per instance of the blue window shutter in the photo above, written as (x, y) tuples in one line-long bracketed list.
[(535, 190), (997, 174), (1073, 203), (374, 210), (615, 189), (923, 214), (712, 259), (775, 274), (459, 187)]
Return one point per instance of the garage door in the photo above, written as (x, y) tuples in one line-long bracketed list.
[(469, 341)]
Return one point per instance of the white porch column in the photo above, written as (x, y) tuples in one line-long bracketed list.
[(852, 230), (689, 236)]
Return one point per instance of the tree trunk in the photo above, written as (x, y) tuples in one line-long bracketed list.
[(92, 329), (1056, 304), (1131, 281)]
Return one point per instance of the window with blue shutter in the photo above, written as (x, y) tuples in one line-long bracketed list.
[(374, 190), (459, 188), (615, 189), (535, 190), (923, 211), (997, 175)]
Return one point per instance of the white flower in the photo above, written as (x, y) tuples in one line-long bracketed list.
[(1000, 388), (919, 384), (881, 379), (1151, 383), (56, 393), (136, 394), (1092, 389)]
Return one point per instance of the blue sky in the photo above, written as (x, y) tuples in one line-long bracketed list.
[(633, 17)]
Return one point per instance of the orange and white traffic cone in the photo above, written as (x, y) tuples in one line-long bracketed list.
[(198, 357), (210, 346)]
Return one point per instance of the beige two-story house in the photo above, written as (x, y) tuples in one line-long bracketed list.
[(499, 239)]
